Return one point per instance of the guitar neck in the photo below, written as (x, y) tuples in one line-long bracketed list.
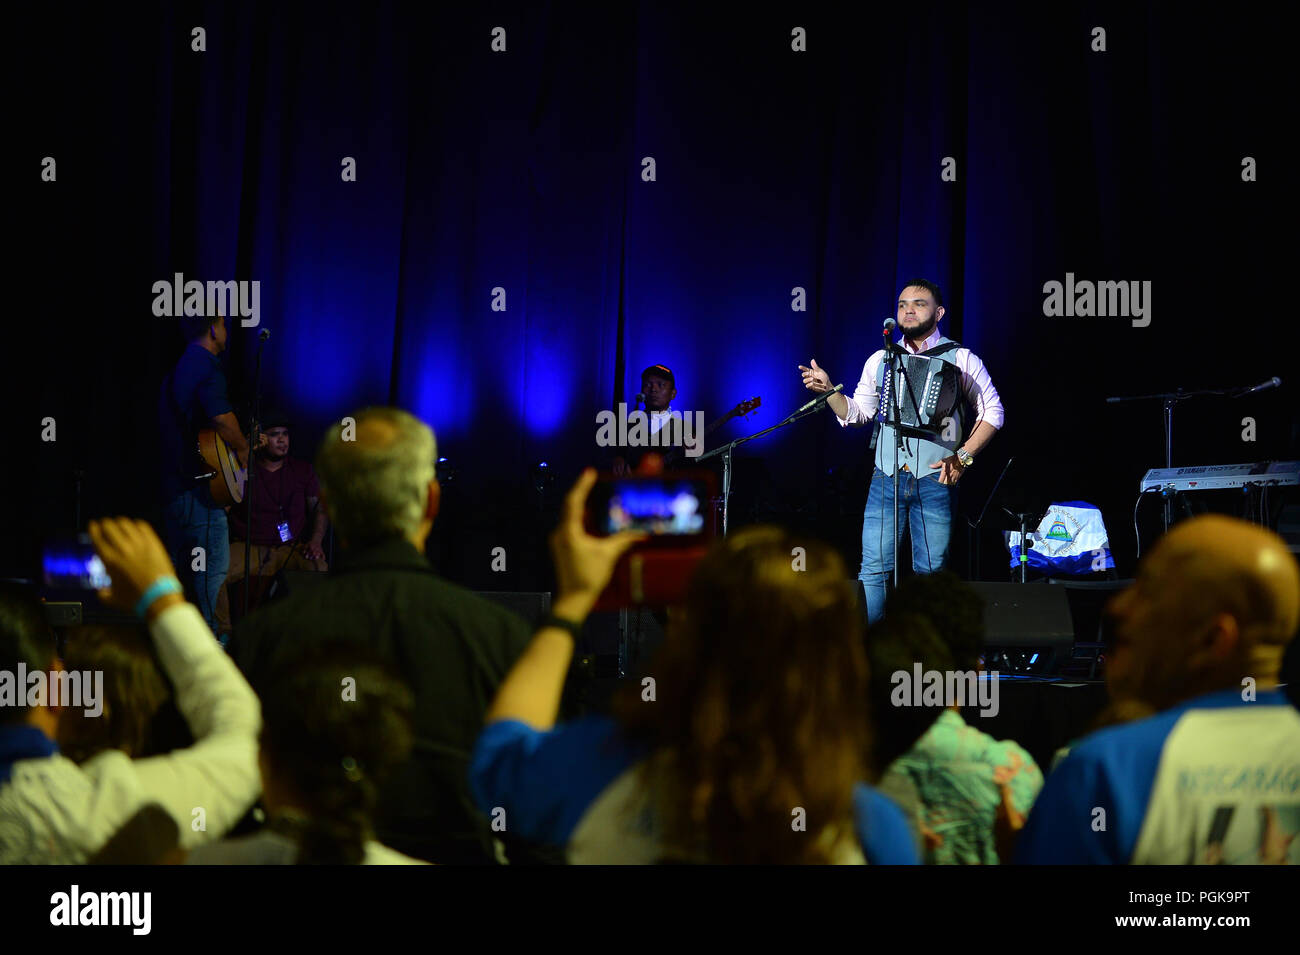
[(718, 424)]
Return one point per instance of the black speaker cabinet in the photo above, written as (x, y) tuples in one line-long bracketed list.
[(1027, 627)]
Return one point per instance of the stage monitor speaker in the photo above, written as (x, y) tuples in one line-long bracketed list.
[(1087, 600), (1027, 627)]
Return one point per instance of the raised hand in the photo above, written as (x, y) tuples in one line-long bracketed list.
[(133, 556), (815, 379), (583, 563)]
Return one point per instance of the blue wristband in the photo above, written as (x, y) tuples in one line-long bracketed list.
[(159, 588)]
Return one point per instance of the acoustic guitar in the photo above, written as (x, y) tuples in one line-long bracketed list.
[(226, 477)]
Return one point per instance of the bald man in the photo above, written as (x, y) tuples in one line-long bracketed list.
[(378, 485), (1213, 775)]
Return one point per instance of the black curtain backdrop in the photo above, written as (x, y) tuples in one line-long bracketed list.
[(523, 171)]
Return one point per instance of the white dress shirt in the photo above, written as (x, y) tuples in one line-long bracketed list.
[(975, 383)]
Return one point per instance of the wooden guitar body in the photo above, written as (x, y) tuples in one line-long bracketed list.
[(227, 482)]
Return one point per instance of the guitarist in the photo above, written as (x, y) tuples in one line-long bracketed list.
[(193, 396), (659, 387)]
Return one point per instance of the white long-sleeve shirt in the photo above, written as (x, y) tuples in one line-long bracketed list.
[(975, 383), (53, 810)]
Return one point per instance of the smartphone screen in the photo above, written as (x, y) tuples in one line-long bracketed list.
[(74, 565), (665, 506)]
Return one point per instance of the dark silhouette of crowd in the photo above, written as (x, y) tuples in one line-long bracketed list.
[(383, 715)]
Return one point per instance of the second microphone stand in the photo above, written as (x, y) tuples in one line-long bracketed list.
[(727, 450), (1171, 400), (254, 426)]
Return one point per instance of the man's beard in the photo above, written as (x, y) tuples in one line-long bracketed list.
[(922, 331)]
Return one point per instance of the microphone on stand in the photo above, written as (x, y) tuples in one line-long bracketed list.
[(264, 334), (1274, 382), (823, 397), (891, 348), (639, 400)]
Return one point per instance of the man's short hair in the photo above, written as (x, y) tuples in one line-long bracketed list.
[(954, 608), (26, 638), (894, 645), (377, 489), (929, 286), (194, 327)]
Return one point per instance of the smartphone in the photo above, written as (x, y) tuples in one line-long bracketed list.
[(675, 510), (74, 565), (666, 505)]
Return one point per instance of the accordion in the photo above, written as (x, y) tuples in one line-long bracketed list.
[(929, 393)]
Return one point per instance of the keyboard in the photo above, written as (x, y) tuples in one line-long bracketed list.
[(1213, 477)]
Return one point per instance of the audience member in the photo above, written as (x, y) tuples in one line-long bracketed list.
[(746, 743), (335, 726), (55, 811), (379, 488), (955, 780), (895, 644), (138, 715), (150, 837), (1210, 778)]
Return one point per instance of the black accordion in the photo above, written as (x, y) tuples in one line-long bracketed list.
[(929, 394)]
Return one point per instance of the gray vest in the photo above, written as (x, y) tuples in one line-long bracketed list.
[(917, 454)]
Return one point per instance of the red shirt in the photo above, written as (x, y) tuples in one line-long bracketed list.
[(279, 495)]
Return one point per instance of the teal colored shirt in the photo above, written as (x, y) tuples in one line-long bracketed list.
[(947, 785)]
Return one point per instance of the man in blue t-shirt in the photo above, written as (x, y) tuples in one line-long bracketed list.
[(193, 396), (1213, 775)]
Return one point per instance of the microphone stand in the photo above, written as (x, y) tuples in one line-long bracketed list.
[(973, 559), (891, 362), (1024, 517), (254, 425), (1170, 400), (727, 450)]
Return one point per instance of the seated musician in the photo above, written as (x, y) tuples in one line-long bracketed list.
[(286, 503), (659, 387), (929, 466)]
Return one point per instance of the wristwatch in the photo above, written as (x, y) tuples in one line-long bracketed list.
[(965, 457)]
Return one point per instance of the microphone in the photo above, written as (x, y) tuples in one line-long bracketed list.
[(824, 396), (890, 347), (1274, 382), (264, 334), (639, 400)]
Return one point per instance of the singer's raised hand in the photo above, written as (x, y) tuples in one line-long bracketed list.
[(815, 379)]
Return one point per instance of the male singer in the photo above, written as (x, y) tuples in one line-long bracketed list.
[(929, 467)]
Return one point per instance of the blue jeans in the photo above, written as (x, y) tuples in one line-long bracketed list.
[(193, 520), (928, 505)]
